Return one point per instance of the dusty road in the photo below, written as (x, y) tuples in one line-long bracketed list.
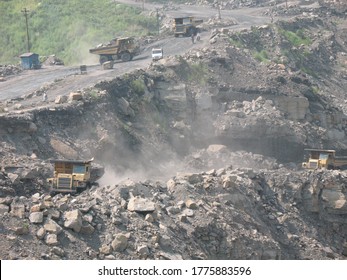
[(60, 80)]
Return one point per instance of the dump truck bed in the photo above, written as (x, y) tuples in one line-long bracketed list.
[(340, 161), (106, 50)]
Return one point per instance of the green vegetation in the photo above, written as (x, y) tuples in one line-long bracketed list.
[(67, 28), (309, 71), (193, 72), (261, 56), (236, 42), (198, 73), (297, 38), (93, 94), (302, 60), (138, 86), (315, 89)]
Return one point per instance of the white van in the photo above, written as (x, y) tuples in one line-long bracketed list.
[(157, 53)]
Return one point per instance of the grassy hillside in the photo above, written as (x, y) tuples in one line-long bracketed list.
[(67, 28)]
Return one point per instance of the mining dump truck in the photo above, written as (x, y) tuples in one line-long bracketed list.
[(72, 176), (119, 48), (186, 26), (324, 159)]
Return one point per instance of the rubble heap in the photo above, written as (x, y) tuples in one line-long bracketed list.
[(217, 214)]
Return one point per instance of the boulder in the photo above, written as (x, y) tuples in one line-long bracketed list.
[(149, 218), (6, 200), (124, 106), (73, 220), (191, 178), (13, 177), (107, 65), (4, 209), (32, 127), (60, 99), (51, 239), (52, 227), (212, 149), (58, 251), (87, 229), (18, 210), (335, 201), (171, 184), (105, 249), (191, 204), (36, 217), (75, 96), (143, 250), (120, 243), (188, 213), (138, 204), (40, 234), (35, 208)]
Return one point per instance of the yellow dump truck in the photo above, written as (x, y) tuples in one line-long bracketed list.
[(324, 159), (186, 26), (71, 176), (119, 48)]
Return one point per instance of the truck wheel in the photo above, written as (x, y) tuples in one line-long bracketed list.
[(125, 56), (52, 192), (103, 59), (190, 31)]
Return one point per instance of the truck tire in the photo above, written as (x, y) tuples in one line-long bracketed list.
[(125, 56), (52, 193), (103, 59), (191, 31)]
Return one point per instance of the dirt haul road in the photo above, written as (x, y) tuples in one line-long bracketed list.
[(61, 80)]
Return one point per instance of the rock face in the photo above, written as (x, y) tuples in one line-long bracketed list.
[(295, 107), (63, 149), (326, 197)]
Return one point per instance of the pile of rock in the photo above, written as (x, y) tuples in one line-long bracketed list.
[(218, 214), (52, 60), (7, 70)]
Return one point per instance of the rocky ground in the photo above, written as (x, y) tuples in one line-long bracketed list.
[(202, 153)]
